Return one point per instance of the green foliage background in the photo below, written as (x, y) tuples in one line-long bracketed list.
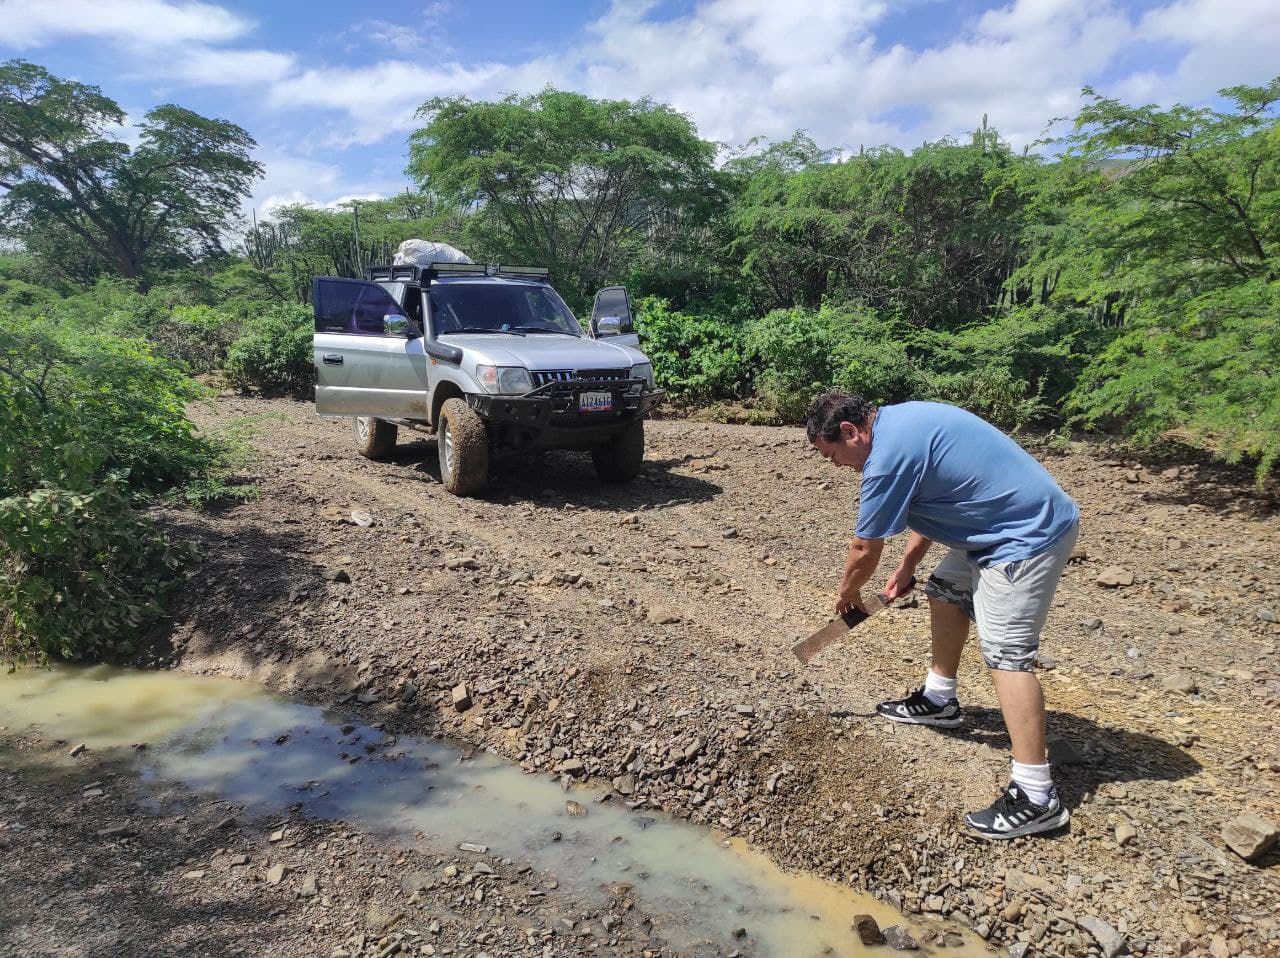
[(1126, 280)]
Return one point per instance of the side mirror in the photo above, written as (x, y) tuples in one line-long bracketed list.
[(608, 326), (393, 325)]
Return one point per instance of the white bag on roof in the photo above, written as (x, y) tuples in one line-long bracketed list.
[(417, 252)]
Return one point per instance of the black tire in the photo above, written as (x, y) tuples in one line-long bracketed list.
[(619, 459), (462, 440), (375, 438)]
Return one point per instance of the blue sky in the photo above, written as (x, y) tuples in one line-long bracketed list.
[(329, 89)]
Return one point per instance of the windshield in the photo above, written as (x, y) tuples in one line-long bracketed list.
[(508, 307)]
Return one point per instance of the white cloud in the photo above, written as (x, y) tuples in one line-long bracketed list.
[(739, 68), (293, 179), (206, 66), (1222, 44), (34, 23)]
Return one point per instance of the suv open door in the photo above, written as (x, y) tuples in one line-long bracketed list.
[(368, 351), (611, 317)]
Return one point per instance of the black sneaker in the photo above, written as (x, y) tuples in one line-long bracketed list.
[(1013, 814), (916, 709)]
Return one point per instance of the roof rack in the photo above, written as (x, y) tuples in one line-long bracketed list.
[(413, 273), (532, 272), (395, 274)]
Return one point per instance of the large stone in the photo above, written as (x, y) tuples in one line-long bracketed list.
[(571, 766), (1250, 836), (895, 937), (461, 697), (1114, 576), (1062, 751), (1182, 682), (1109, 940), (868, 930), (276, 873)]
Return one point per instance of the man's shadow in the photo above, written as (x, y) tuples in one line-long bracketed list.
[(1088, 754)]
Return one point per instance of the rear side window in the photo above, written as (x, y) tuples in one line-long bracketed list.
[(351, 306)]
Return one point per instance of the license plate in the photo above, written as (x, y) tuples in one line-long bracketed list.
[(595, 402)]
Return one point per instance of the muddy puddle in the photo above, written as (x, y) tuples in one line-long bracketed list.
[(235, 740)]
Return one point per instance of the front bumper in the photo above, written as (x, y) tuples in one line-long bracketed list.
[(557, 406)]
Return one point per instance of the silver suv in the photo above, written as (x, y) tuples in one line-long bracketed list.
[(489, 358)]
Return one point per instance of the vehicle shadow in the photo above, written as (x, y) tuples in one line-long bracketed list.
[(1084, 753), (562, 478)]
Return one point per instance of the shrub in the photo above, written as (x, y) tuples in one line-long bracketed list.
[(795, 356), (89, 425), (274, 355), (995, 394), (695, 358), (82, 573), (196, 336)]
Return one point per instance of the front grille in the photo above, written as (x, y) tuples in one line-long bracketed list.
[(543, 376)]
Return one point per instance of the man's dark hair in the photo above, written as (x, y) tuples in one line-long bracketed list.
[(831, 409)]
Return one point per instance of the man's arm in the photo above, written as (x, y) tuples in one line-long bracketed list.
[(900, 582), (864, 556)]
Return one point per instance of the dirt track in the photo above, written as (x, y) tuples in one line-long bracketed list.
[(638, 636)]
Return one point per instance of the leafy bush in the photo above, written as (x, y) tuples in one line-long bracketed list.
[(197, 336), (800, 352), (274, 355), (81, 573), (995, 394), (89, 424), (795, 356), (696, 358), (1209, 371)]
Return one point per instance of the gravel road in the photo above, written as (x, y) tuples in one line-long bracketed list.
[(637, 637)]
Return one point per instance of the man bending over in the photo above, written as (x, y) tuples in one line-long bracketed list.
[(950, 477)]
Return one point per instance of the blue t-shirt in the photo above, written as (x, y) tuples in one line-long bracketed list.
[(960, 481)]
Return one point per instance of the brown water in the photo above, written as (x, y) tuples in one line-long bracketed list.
[(221, 736)]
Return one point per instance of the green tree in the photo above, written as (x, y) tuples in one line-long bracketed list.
[(1171, 238), (929, 236), (71, 188), (300, 241), (582, 186)]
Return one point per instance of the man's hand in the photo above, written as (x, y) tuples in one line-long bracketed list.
[(864, 556), (900, 583)]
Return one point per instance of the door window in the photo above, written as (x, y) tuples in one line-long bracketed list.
[(351, 306)]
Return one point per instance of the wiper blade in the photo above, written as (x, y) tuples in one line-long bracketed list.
[(481, 329), (544, 329)]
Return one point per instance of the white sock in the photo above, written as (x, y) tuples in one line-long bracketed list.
[(1034, 781), (937, 689)]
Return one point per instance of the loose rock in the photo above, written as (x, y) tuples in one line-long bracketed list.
[(1108, 939), (1113, 577), (1250, 836), (868, 930)]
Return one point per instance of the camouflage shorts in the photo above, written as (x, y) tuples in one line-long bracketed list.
[(1009, 601)]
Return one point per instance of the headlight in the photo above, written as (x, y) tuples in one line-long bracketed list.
[(504, 380), (643, 371)]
